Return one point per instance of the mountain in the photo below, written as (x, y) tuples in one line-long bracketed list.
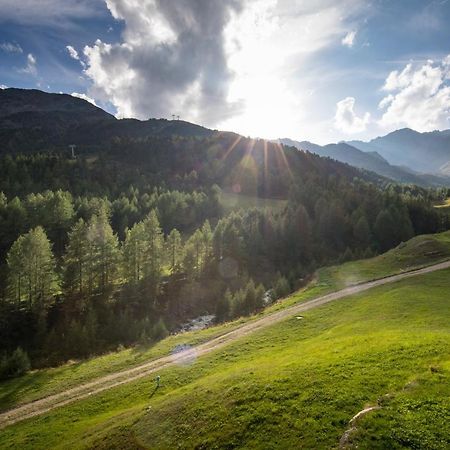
[(369, 159), (14, 102), (422, 152), (33, 120)]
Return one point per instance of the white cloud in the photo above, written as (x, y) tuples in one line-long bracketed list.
[(3, 86), (398, 80), (48, 12), (72, 52), (349, 39), (346, 119), (84, 97), (231, 64), (171, 60), (31, 65), (419, 97), (74, 55), (386, 101), (11, 47)]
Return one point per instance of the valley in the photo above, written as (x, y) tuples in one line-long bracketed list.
[(323, 273)]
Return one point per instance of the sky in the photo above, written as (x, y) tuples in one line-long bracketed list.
[(317, 70)]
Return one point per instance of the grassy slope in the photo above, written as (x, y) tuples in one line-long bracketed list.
[(293, 385), (417, 252), (420, 251), (445, 204)]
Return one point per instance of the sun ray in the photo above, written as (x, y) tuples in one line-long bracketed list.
[(232, 147), (266, 168), (281, 154)]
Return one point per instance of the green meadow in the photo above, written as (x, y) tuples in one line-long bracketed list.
[(295, 384)]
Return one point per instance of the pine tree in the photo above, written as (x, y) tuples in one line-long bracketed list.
[(174, 250), (104, 257), (259, 301), (385, 230), (153, 254), (250, 298), (59, 214), (361, 231), (195, 245), (31, 265), (223, 307), (76, 264), (134, 249)]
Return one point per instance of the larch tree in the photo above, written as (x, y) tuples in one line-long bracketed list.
[(76, 262), (174, 250), (104, 254), (134, 249), (207, 237), (32, 277), (153, 253)]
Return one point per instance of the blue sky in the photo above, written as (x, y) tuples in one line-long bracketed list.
[(323, 70)]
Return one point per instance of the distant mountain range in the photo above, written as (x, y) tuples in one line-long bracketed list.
[(32, 120), (422, 152), (404, 155)]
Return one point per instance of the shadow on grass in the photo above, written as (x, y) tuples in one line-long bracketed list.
[(12, 391)]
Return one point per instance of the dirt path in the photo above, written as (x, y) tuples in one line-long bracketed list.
[(85, 390)]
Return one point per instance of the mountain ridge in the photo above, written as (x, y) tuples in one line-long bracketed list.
[(33, 120), (427, 152), (368, 160)]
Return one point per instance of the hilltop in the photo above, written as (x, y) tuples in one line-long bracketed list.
[(33, 120)]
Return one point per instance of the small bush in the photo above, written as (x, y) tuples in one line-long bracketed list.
[(160, 330), (282, 288), (15, 364)]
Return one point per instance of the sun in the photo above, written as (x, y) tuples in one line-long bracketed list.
[(256, 61)]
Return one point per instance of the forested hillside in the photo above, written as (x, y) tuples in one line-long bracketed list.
[(129, 239)]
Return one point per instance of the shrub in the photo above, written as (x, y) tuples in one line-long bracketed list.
[(160, 330), (15, 364), (282, 288)]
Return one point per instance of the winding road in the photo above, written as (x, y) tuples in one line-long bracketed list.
[(43, 405)]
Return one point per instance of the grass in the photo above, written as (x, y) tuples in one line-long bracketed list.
[(445, 204), (231, 201), (420, 251), (295, 384)]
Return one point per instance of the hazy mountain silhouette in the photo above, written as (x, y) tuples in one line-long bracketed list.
[(421, 152), (370, 159)]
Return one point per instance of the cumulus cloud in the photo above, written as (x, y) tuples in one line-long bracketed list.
[(3, 86), (84, 97), (419, 97), (349, 39), (346, 119), (11, 47), (30, 68), (171, 59)]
